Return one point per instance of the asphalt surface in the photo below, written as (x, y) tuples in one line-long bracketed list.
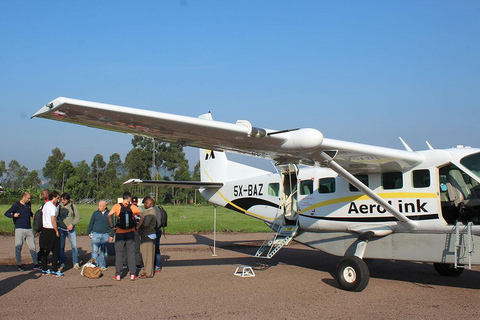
[(195, 284)]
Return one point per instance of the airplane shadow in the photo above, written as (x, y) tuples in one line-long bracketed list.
[(421, 274)]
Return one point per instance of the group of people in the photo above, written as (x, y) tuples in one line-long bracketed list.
[(137, 234)]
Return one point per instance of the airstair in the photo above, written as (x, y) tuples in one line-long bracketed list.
[(463, 249), (282, 233), (276, 241)]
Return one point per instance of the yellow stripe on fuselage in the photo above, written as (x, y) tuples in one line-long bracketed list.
[(240, 208), (395, 195)]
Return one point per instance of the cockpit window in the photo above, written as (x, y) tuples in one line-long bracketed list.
[(472, 163)]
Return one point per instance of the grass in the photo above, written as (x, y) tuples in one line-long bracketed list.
[(183, 219)]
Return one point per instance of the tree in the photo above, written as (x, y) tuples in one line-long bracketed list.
[(15, 174), (32, 180), (79, 185), (173, 158), (3, 169), (52, 164), (64, 171), (137, 162), (98, 168)]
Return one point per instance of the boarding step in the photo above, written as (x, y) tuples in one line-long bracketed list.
[(280, 239), (463, 248)]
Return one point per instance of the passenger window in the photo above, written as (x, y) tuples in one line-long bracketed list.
[(326, 185), (363, 178), (306, 187), (273, 189), (421, 178), (392, 180)]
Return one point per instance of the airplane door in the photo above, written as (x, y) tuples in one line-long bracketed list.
[(289, 193)]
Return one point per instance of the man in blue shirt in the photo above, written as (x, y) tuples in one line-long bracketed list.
[(21, 213), (100, 232)]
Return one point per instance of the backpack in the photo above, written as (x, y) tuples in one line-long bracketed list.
[(162, 220), (38, 220), (125, 218)]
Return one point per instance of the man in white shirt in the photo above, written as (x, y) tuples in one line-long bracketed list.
[(49, 237)]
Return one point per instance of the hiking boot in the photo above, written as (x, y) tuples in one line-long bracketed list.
[(133, 277), (21, 267), (76, 266)]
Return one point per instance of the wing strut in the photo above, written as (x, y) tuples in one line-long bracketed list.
[(325, 158)]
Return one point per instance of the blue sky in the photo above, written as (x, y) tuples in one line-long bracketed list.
[(362, 71)]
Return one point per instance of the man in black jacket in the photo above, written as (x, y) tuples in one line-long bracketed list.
[(21, 213)]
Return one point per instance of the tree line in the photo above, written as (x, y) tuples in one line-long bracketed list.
[(101, 179)]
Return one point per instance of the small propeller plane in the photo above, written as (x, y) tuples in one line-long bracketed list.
[(351, 200)]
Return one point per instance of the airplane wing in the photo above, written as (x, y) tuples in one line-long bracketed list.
[(175, 184), (283, 146)]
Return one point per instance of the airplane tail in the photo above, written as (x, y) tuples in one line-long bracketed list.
[(215, 167)]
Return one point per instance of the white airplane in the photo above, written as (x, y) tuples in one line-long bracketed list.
[(351, 200)]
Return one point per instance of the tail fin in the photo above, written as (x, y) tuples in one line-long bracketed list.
[(215, 167)]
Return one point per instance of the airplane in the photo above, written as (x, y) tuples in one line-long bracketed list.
[(351, 200)]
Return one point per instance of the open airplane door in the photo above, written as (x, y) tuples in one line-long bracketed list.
[(289, 192)]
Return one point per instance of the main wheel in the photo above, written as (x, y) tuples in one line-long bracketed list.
[(448, 269), (352, 274)]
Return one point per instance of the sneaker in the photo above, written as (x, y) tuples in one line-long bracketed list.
[(133, 277), (125, 267), (158, 269), (57, 274), (76, 266), (21, 267), (117, 277), (46, 272), (37, 267), (62, 267), (103, 268)]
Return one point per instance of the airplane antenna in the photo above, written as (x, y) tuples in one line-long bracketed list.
[(282, 131), (407, 147), (429, 145)]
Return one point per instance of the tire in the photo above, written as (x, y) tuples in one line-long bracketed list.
[(352, 274), (448, 269)]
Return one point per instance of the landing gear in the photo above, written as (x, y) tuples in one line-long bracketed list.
[(352, 274), (448, 269)]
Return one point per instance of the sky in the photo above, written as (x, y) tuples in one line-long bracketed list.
[(360, 71)]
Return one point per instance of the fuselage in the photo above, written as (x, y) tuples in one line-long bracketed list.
[(435, 194)]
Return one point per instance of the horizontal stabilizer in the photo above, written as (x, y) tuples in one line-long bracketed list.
[(175, 184)]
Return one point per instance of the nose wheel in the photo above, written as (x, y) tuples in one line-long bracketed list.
[(448, 269), (352, 274)]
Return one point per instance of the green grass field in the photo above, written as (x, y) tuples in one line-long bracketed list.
[(181, 220)]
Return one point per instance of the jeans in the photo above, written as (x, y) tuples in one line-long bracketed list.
[(158, 256), (72, 237), (21, 236), (99, 245)]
